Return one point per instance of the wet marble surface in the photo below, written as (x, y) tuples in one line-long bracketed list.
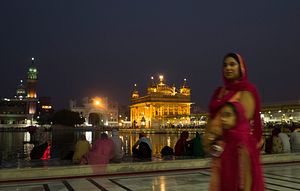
[(279, 177)]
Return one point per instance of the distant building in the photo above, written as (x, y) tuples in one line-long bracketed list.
[(14, 112), (22, 109), (44, 110), (285, 112), (161, 106), (124, 116), (280, 112), (96, 111)]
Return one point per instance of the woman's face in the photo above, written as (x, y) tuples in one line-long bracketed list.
[(231, 69), (228, 117)]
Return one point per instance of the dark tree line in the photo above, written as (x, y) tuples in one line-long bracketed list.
[(62, 117)]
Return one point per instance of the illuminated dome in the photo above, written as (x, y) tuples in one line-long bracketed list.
[(21, 91), (135, 93), (185, 89), (160, 88)]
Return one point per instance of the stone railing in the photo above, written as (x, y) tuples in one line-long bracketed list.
[(9, 175)]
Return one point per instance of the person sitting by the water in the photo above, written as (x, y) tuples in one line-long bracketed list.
[(285, 142), (81, 148), (277, 146), (41, 151), (102, 151), (118, 146), (182, 145), (197, 147), (142, 149), (295, 139), (167, 153)]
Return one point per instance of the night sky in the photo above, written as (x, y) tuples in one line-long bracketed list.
[(89, 48)]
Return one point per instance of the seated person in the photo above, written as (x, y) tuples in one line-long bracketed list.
[(142, 149), (295, 139), (118, 146), (81, 148), (101, 153), (41, 151), (167, 152), (197, 147), (182, 147), (277, 146)]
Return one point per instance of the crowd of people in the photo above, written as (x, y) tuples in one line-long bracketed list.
[(281, 142), (233, 136), (103, 151)]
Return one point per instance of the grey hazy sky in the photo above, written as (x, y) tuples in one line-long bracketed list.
[(87, 48)]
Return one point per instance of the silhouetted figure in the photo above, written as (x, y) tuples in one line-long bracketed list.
[(197, 147), (41, 151), (277, 146), (182, 145), (118, 155), (295, 139), (142, 149), (38, 151), (167, 153)]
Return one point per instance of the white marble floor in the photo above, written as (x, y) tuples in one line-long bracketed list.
[(280, 177)]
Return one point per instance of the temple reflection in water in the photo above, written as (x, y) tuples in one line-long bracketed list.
[(161, 106)]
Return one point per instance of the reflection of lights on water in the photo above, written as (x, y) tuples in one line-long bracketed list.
[(162, 183), (126, 147), (27, 147), (169, 141), (26, 137), (88, 135)]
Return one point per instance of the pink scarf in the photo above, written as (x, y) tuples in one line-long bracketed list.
[(230, 168), (233, 87)]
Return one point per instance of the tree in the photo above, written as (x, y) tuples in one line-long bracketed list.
[(67, 117)]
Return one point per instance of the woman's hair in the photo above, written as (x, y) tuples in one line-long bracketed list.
[(232, 55), (103, 136), (82, 136), (229, 104)]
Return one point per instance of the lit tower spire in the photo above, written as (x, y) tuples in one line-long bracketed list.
[(32, 79), (185, 89), (161, 79)]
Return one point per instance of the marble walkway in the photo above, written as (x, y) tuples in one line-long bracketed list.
[(279, 177)]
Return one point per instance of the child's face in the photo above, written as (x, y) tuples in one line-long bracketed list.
[(228, 117)]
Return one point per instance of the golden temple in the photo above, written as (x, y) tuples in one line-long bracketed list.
[(161, 106)]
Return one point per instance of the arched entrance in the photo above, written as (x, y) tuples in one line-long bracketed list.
[(96, 119)]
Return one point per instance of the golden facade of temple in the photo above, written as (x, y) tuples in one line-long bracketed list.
[(161, 106)]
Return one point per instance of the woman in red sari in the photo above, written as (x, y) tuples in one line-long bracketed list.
[(240, 156), (236, 89)]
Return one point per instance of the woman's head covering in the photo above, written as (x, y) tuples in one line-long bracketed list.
[(241, 84), (82, 136), (103, 136), (243, 80), (184, 135)]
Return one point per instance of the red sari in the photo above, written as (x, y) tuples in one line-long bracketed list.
[(231, 92)]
